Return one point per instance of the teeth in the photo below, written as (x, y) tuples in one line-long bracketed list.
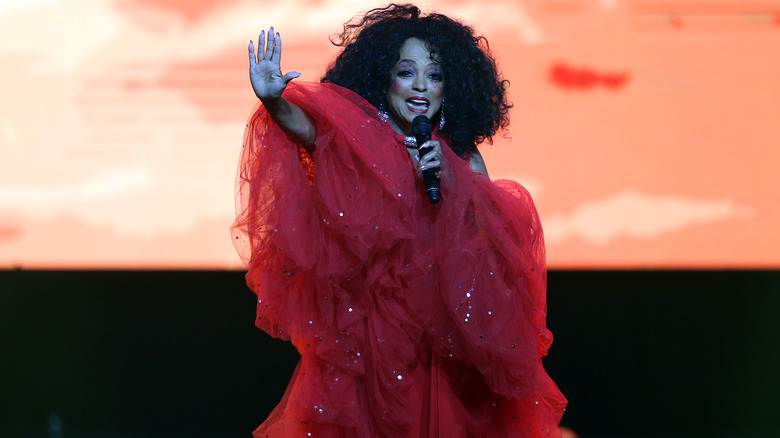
[(417, 105)]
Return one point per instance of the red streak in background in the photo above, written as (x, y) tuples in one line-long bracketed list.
[(583, 78), (8, 232), (190, 10)]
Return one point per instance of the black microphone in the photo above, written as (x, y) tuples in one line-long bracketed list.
[(422, 128)]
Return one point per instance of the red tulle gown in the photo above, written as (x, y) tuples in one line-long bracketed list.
[(412, 319)]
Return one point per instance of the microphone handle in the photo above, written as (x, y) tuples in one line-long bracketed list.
[(431, 181)]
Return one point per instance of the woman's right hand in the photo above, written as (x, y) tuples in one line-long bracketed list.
[(265, 71)]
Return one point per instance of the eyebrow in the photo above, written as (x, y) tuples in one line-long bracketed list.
[(415, 62)]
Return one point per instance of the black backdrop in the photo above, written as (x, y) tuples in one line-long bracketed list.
[(163, 354)]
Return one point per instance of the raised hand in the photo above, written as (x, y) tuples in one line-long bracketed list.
[(265, 71)]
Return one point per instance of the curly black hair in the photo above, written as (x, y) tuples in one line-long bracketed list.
[(476, 95)]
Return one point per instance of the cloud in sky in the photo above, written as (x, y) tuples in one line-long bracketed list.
[(62, 36), (507, 17), (534, 185), (99, 187), (59, 36), (608, 4), (115, 199), (9, 6), (636, 215)]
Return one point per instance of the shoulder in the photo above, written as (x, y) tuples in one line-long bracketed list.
[(476, 162)]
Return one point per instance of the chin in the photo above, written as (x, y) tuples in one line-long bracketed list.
[(412, 115)]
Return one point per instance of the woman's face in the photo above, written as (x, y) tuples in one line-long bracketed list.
[(416, 87)]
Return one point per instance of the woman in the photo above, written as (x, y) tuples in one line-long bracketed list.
[(412, 319)]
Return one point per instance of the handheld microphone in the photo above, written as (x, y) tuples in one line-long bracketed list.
[(422, 128)]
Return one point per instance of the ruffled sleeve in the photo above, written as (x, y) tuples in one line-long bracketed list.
[(493, 280), (300, 224)]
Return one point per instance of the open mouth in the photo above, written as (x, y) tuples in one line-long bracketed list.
[(418, 104)]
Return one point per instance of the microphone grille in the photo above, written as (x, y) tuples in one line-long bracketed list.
[(421, 126)]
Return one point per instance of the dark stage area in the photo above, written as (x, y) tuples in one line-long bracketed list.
[(164, 354)]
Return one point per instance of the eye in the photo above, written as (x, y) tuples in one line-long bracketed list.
[(404, 74), (437, 77)]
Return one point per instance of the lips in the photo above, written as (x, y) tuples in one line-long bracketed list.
[(418, 104)]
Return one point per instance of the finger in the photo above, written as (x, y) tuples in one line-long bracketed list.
[(432, 145), (429, 162), (252, 60), (260, 45), (276, 56), (433, 164), (432, 155), (269, 47), (435, 144), (290, 76)]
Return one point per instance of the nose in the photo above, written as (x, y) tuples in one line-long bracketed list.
[(420, 83)]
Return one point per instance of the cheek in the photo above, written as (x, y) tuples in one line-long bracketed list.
[(438, 91), (396, 87)]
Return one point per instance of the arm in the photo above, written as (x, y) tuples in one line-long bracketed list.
[(267, 80)]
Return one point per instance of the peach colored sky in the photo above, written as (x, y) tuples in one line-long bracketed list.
[(645, 130)]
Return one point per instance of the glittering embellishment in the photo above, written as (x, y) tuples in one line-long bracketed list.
[(410, 142)]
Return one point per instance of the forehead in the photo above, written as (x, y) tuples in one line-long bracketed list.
[(415, 49)]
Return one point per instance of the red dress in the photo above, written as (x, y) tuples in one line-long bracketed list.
[(412, 319)]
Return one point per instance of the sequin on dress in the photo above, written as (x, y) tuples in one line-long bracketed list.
[(412, 319)]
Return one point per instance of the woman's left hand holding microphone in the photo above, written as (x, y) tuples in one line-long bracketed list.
[(432, 159)]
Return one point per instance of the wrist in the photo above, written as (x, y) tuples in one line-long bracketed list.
[(278, 107), (270, 102)]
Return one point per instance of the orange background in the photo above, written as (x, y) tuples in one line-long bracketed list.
[(646, 130)]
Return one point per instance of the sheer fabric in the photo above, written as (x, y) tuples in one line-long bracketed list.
[(412, 319)]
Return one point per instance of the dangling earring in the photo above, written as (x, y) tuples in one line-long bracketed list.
[(384, 116), (441, 116)]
